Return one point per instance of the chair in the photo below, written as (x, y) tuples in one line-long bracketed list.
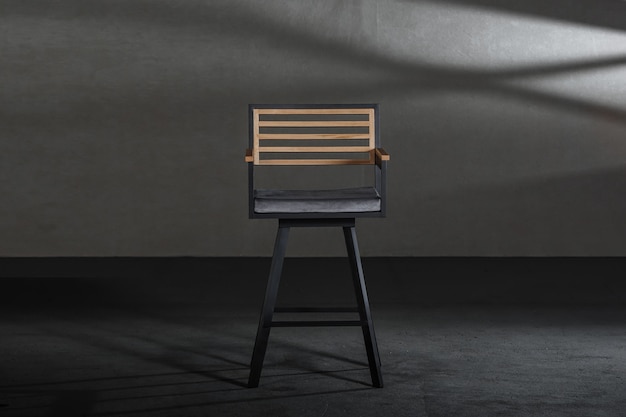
[(316, 135)]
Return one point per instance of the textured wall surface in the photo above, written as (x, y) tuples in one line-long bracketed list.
[(123, 122)]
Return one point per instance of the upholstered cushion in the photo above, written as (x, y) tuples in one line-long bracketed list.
[(346, 200)]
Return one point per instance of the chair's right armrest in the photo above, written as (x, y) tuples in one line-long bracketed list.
[(381, 155), (249, 157)]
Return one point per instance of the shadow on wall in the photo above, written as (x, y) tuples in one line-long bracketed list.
[(126, 94), (256, 29), (603, 13)]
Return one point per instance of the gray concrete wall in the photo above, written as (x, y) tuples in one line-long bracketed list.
[(123, 122)]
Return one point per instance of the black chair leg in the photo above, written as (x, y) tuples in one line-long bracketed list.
[(369, 337), (271, 293)]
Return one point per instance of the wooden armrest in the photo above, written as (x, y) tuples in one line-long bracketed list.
[(249, 157), (382, 155)]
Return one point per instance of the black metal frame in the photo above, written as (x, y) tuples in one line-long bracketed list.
[(380, 171), (266, 321), (344, 220)]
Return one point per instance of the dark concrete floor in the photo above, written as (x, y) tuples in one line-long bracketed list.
[(176, 340)]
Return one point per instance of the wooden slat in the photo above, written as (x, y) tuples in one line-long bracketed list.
[(314, 123), (372, 131), (314, 162), (305, 149), (312, 136), (255, 126), (314, 111)]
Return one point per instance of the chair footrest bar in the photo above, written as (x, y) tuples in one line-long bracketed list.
[(317, 222), (315, 323), (316, 310)]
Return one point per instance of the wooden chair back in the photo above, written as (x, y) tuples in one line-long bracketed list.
[(313, 135)]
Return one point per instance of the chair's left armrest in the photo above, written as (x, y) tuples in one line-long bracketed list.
[(381, 155), (249, 157)]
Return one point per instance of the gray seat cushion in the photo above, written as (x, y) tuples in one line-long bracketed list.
[(346, 200)]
